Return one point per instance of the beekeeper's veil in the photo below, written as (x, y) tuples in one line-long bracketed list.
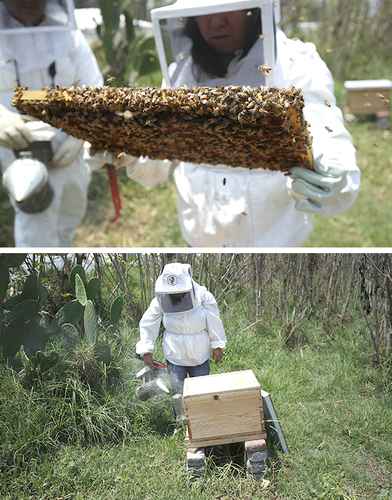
[(49, 39), (173, 45), (174, 288)]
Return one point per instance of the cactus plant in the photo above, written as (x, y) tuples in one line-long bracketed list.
[(80, 290), (77, 270), (93, 288), (90, 323), (72, 312), (82, 307), (70, 335), (116, 310), (20, 320), (129, 55)]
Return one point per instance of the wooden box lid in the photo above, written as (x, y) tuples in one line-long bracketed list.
[(243, 380)]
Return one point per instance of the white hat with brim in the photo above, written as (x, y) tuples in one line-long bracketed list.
[(202, 7), (175, 278)]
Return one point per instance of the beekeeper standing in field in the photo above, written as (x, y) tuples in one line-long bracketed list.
[(43, 168), (194, 331), (238, 42)]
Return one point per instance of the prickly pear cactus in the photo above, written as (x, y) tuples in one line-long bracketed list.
[(80, 291), (116, 310), (20, 320), (90, 323), (129, 54)]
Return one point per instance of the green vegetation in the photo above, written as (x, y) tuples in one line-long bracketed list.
[(337, 422), (367, 224), (150, 218), (70, 426), (126, 54)]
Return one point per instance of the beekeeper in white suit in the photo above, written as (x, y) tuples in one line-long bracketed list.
[(225, 42), (41, 47), (194, 331)]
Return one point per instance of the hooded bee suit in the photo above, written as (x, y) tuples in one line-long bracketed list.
[(192, 326), (223, 206), (53, 53)]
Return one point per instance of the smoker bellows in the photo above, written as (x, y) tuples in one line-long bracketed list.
[(236, 126)]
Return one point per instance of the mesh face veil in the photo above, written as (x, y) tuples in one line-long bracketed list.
[(177, 38), (48, 41), (176, 302), (59, 16)]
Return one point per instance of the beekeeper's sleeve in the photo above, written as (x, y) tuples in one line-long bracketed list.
[(332, 143), (149, 173), (216, 331), (149, 328), (87, 69)]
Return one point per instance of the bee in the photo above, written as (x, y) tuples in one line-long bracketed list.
[(110, 79), (383, 98), (265, 69)]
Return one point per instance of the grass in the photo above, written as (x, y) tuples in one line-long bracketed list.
[(337, 421), (149, 216), (367, 224)]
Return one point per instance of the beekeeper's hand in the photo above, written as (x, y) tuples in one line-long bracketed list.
[(67, 152), (148, 359), (98, 159), (14, 133), (217, 354), (316, 191)]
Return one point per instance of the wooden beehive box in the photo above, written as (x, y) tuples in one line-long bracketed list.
[(368, 97), (223, 408)]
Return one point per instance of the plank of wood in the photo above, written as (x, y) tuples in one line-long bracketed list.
[(219, 418), (199, 443), (221, 382), (222, 396)]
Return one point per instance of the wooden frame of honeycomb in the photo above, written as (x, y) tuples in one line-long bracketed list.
[(232, 126)]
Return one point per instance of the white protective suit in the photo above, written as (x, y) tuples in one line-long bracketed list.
[(189, 336), (28, 56), (220, 206)]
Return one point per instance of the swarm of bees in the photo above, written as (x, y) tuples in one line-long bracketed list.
[(233, 126)]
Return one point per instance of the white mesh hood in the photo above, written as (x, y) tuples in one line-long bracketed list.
[(59, 15), (47, 42), (174, 47)]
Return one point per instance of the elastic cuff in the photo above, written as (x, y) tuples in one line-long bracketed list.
[(217, 344), (144, 349)]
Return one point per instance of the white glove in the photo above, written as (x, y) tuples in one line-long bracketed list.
[(315, 191), (148, 173), (68, 151), (101, 158), (14, 133)]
